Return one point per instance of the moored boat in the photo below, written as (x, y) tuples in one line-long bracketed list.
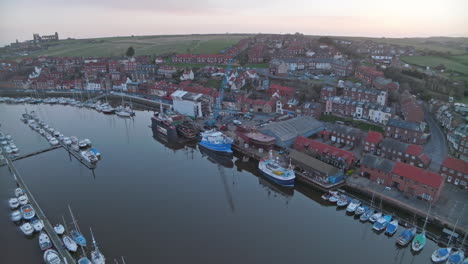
[(27, 212), (375, 217), (19, 192), (382, 223), (361, 210), (456, 257), (216, 141), (123, 113), (273, 170), (23, 199), (365, 216), (343, 201), (69, 243), (419, 241), (27, 229), (441, 254), (334, 198), (44, 241), (59, 229), (16, 216), (52, 257), (392, 228), (89, 156), (353, 205), (37, 224), (96, 256), (326, 196), (84, 260), (406, 236), (13, 202)]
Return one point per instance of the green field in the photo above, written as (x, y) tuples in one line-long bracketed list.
[(458, 63), (441, 44), (143, 45)]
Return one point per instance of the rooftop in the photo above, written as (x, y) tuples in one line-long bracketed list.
[(404, 125), (416, 174), (378, 163)]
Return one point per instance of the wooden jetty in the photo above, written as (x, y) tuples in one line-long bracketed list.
[(35, 153), (64, 254)]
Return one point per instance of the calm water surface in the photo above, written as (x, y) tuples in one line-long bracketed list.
[(154, 202)]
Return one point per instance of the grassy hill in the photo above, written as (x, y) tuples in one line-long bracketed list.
[(143, 45)]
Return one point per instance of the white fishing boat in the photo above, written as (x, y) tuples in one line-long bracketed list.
[(59, 229), (23, 199), (38, 225), (96, 256), (16, 216), (13, 202), (52, 257), (44, 241), (27, 212), (19, 192), (69, 243), (27, 229)]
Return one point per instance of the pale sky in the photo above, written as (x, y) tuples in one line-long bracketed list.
[(19, 19)]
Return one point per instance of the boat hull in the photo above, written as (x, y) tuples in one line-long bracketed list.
[(164, 128), (286, 183), (223, 148)]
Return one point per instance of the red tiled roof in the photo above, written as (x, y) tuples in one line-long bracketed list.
[(301, 143), (416, 174), (373, 137), (456, 164), (425, 159), (414, 150)]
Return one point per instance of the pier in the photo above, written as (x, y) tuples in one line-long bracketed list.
[(64, 254), (35, 153)]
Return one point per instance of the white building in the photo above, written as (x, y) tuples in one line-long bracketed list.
[(186, 103), (92, 86)]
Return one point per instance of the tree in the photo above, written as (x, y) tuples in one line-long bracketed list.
[(130, 52)]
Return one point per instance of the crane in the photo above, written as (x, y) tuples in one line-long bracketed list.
[(217, 105)]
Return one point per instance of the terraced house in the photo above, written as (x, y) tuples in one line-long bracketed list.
[(455, 171), (405, 131)]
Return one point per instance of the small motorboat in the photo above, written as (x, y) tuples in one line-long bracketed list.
[(69, 243), (27, 212), (75, 147), (67, 141), (392, 227), (95, 152), (59, 229), (123, 114), (353, 205), (82, 144), (78, 238), (19, 192), (328, 195), (54, 141), (406, 236), (52, 257), (16, 216), (382, 223), (56, 133), (375, 217), (334, 198), (44, 241), (27, 229), (89, 156), (23, 199), (74, 139), (456, 257), (419, 241), (38, 225), (13, 202), (365, 216), (441, 254), (343, 201), (361, 210)]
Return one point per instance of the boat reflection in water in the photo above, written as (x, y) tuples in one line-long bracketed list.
[(174, 143), (224, 159)]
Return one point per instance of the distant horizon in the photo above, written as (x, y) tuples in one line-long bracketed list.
[(83, 19)]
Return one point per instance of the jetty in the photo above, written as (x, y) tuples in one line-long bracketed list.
[(35, 153), (48, 227)]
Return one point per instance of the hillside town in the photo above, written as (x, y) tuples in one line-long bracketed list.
[(341, 119)]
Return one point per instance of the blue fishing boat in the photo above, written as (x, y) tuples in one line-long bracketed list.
[(392, 228), (274, 171), (406, 236), (365, 216), (382, 222), (216, 141)]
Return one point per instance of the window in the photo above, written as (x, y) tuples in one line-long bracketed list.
[(449, 179), (444, 169)]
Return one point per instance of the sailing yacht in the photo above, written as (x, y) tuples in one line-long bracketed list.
[(75, 234), (96, 256)]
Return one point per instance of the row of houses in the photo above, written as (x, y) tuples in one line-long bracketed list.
[(370, 111), (355, 93), (340, 67)]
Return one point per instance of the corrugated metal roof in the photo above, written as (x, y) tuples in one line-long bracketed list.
[(310, 163), (290, 129)]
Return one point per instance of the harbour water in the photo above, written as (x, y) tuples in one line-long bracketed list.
[(153, 201)]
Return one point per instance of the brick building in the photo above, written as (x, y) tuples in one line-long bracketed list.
[(371, 142), (405, 131), (367, 74), (455, 171)]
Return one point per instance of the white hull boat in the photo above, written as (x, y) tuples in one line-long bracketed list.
[(27, 212), (353, 206), (441, 254), (16, 216), (13, 202), (52, 257), (44, 241), (375, 217), (69, 243), (38, 225), (27, 229), (23, 199), (19, 192), (59, 229)]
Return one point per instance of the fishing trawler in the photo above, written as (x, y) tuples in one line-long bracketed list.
[(273, 170)]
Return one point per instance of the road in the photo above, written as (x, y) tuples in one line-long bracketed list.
[(436, 148)]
